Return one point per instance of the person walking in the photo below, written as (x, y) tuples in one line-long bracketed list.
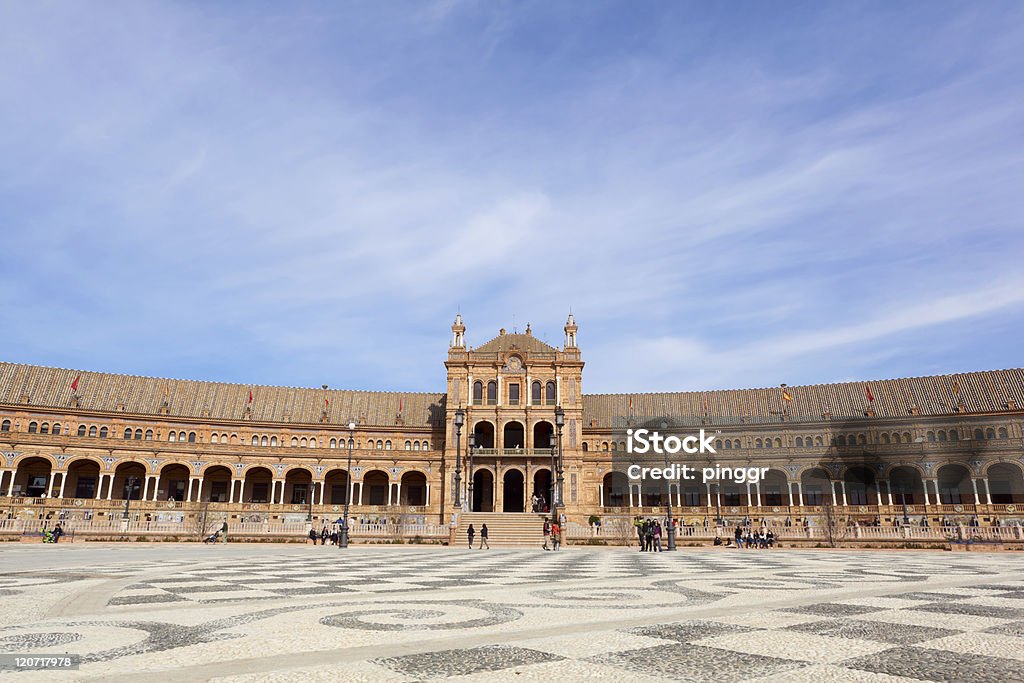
[(324, 534), (657, 537), (547, 533), (483, 538), (556, 539), (739, 537), (471, 532), (224, 532)]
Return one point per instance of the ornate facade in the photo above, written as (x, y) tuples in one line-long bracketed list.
[(79, 444)]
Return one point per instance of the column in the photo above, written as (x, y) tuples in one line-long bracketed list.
[(925, 482), (10, 487), (718, 495), (832, 487), (600, 493), (499, 391), (757, 487), (428, 494), (558, 390), (800, 493), (974, 485), (888, 489), (53, 480), (322, 487), (398, 494), (988, 491), (351, 489), (529, 391), (789, 490), (110, 487), (63, 482), (842, 485), (156, 487), (630, 495)]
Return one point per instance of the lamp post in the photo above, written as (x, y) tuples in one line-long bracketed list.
[(131, 483), (469, 468), (559, 423), (668, 501), (343, 539), (460, 419)]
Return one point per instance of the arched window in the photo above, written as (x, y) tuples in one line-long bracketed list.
[(81, 430), (92, 430), (273, 441), (149, 435), (128, 434), (56, 428), (103, 432), (44, 428), (896, 437), (800, 442), (942, 435), (930, 436), (415, 445), (492, 392), (978, 434), (380, 445), (172, 436), (33, 427), (263, 440), (549, 393), (535, 393), (585, 449), (990, 433), (841, 440), (615, 447), (954, 435), (426, 445), (885, 438), (255, 440), (181, 436), (312, 442), (302, 443), (478, 393), (191, 437), (778, 443), (718, 444), (387, 445), (334, 443), (408, 445), (758, 444), (1002, 431), (735, 443), (817, 441), (138, 435), (5, 426), (728, 443), (214, 438), (907, 438), (767, 443), (295, 441), (861, 439)]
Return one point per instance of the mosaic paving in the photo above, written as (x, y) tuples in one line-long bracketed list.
[(279, 613)]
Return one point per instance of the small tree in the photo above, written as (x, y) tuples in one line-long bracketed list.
[(200, 520), (835, 524)]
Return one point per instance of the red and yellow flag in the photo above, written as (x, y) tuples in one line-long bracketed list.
[(786, 396)]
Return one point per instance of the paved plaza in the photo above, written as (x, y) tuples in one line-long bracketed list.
[(254, 612)]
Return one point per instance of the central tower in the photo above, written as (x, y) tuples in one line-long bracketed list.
[(509, 389)]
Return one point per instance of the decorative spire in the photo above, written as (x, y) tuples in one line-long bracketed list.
[(570, 332), (458, 333)]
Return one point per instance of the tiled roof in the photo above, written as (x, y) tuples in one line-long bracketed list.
[(939, 395), (522, 342), (51, 387)]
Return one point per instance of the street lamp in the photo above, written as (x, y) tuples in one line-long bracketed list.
[(343, 539), (460, 419), (131, 483), (469, 468), (559, 423), (668, 501)]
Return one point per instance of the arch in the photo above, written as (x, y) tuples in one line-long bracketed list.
[(549, 393), (616, 490), (181, 436), (214, 438), (861, 486), (1003, 434), (295, 442), (302, 442), (954, 435), (979, 435), (273, 441), (954, 482), (83, 479), (513, 435), (129, 481), (336, 487), (990, 433), (44, 428), (5, 426), (173, 482), (512, 491), (492, 392), (374, 489), (387, 445), (1005, 483), (817, 441), (92, 430), (414, 489), (885, 438), (298, 486), (906, 487), (216, 484), (816, 486), (128, 434), (483, 490), (930, 436), (81, 430), (542, 489), (543, 434), (942, 435), (32, 477), (799, 442), (33, 427), (478, 393), (535, 393), (774, 488), (334, 443), (149, 435), (483, 434), (408, 445), (138, 434), (258, 485), (255, 440), (758, 443), (585, 448)]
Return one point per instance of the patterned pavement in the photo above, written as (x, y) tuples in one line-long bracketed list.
[(282, 613)]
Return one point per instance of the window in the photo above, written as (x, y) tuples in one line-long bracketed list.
[(92, 430), (44, 428), (817, 441), (299, 493), (978, 434), (416, 445), (907, 438), (33, 427), (56, 428), (181, 436), (942, 435), (812, 494), (273, 441), (954, 435), (492, 393), (758, 444), (778, 443), (138, 435), (513, 394), (728, 443), (478, 393), (214, 439), (718, 445), (5, 426), (535, 393), (104, 432), (191, 437), (334, 443), (408, 445), (81, 430), (303, 442), (841, 440), (885, 438), (767, 443), (800, 442), (128, 434), (736, 443), (989, 433), (255, 440), (263, 440), (295, 442), (585, 448), (312, 442), (549, 393), (861, 439), (1002, 431), (387, 445), (931, 436)]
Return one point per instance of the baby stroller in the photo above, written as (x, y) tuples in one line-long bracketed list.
[(48, 536), (212, 538)]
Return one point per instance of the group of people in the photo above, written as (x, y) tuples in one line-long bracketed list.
[(649, 532), (750, 538), (553, 533), (538, 503), (52, 535), (471, 532)]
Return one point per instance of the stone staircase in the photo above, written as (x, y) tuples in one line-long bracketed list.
[(505, 529)]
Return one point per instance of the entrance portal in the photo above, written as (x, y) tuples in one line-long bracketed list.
[(483, 491), (512, 492)]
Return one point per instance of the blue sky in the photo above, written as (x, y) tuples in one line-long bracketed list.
[(725, 194)]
